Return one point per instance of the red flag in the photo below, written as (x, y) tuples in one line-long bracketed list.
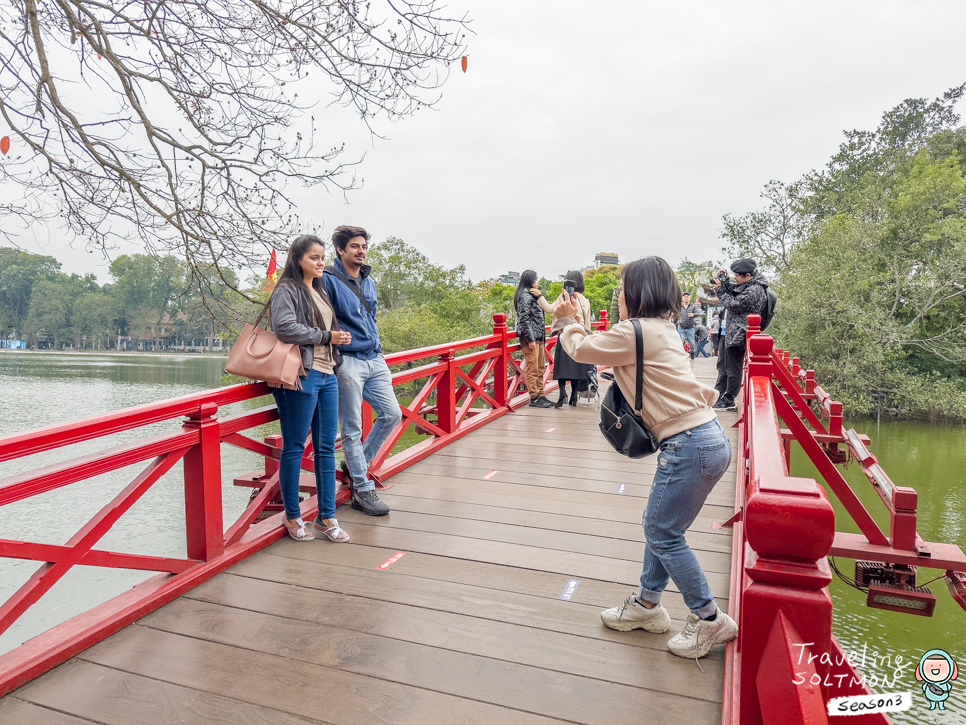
[(272, 268)]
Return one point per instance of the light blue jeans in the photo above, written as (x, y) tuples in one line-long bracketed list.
[(369, 381), (687, 336), (689, 465)]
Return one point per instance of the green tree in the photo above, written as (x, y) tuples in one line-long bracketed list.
[(19, 271), (94, 315)]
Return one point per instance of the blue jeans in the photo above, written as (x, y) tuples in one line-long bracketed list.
[(689, 464), (687, 336), (369, 381), (315, 406)]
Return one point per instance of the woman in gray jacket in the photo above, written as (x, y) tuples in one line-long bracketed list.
[(302, 314)]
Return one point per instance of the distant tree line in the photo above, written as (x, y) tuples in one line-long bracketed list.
[(868, 256), (149, 300)]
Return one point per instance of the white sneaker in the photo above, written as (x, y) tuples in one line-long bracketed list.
[(699, 636), (634, 615)]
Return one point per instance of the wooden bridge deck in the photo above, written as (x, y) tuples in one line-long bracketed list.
[(465, 628)]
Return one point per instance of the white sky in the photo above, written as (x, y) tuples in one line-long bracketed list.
[(624, 126)]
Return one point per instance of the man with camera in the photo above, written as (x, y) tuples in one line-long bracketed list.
[(743, 296)]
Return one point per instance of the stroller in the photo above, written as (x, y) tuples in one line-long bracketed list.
[(591, 393)]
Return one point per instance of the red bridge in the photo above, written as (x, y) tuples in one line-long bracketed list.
[(477, 599)]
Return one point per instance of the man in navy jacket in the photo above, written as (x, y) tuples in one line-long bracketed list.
[(363, 374)]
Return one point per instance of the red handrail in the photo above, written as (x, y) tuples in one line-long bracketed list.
[(493, 380)]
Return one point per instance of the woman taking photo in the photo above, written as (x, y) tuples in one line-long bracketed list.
[(694, 453), (532, 334), (565, 369), (302, 314)]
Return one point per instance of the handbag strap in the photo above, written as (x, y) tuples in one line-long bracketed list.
[(639, 391), (339, 274)]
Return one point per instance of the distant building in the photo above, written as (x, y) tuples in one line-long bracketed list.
[(511, 278), (603, 258)]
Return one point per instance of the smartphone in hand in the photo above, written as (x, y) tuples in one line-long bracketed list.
[(569, 287)]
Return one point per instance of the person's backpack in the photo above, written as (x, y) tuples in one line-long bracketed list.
[(768, 311)]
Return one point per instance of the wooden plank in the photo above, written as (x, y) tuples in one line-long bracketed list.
[(577, 542), (544, 648), (635, 486), (565, 563), (507, 683), (461, 585), (526, 493), (14, 711), (716, 540), (618, 512), (113, 697), (288, 683)]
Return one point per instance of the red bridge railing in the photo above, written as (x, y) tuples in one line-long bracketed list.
[(460, 377), (785, 665)]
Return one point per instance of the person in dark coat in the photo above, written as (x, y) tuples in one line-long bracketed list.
[(744, 296), (532, 334)]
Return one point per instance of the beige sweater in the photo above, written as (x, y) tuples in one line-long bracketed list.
[(674, 401)]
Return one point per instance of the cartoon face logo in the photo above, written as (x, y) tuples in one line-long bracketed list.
[(936, 671)]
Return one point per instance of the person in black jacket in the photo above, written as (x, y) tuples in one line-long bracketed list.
[(301, 313), (744, 296), (532, 333)]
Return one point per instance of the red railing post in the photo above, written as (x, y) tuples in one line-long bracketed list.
[(787, 572), (503, 362), (446, 394), (202, 486), (603, 318), (271, 464)]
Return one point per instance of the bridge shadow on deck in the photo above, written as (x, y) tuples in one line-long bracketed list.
[(465, 628)]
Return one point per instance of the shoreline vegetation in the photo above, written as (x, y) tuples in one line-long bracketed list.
[(868, 258)]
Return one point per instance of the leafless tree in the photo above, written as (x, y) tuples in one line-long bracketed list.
[(179, 122)]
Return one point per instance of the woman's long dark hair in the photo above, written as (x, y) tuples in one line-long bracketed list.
[(293, 265), (577, 278), (651, 289), (526, 282)]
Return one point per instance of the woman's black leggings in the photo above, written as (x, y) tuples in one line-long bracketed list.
[(563, 388)]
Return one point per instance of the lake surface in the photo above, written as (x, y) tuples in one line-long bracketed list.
[(43, 389), (930, 458)]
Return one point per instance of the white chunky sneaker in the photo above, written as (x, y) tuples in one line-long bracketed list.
[(634, 615), (699, 636)]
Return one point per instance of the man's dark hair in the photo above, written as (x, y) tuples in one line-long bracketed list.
[(342, 235), (577, 278), (651, 289), (523, 288)]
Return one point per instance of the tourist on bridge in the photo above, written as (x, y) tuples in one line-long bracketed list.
[(701, 335), (301, 313), (694, 454), (363, 375), (564, 368), (532, 334), (686, 320), (744, 296), (714, 331)]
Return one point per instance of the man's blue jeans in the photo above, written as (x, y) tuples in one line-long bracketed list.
[(689, 465), (369, 381), (315, 406), (687, 336)]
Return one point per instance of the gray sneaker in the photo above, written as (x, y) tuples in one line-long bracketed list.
[(634, 615), (368, 502), (699, 636)]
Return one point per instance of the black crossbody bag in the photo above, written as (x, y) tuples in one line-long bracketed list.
[(622, 425)]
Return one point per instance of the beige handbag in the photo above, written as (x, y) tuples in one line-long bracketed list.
[(258, 354)]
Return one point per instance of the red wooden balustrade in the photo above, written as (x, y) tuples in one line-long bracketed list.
[(460, 376), (784, 528)]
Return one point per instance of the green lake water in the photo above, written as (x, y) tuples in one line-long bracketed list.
[(43, 389), (930, 458)]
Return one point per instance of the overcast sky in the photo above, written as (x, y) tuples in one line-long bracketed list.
[(624, 126)]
